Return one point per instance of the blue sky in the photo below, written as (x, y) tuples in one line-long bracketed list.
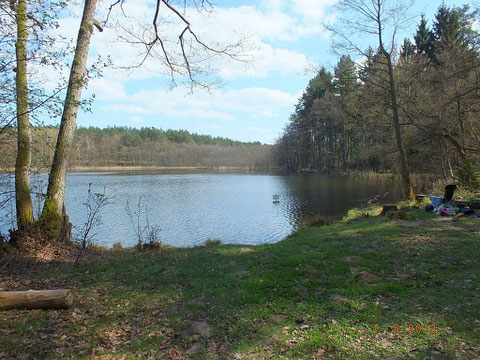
[(285, 40)]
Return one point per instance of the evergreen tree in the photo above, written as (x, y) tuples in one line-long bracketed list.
[(424, 39), (345, 80), (407, 50), (316, 88), (453, 29)]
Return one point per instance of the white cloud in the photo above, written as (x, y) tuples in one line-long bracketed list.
[(137, 119), (259, 26), (255, 25), (106, 89), (476, 24), (312, 9), (273, 5), (255, 100), (126, 108), (251, 22), (222, 106), (268, 60), (202, 114)]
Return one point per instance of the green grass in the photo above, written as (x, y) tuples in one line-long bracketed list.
[(301, 298)]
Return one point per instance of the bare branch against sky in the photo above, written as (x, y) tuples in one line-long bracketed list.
[(182, 51)]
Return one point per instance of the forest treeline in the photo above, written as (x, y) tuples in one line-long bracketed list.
[(342, 122), (125, 146)]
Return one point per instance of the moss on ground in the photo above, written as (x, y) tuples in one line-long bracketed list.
[(365, 288)]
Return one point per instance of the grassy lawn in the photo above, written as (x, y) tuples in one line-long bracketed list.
[(366, 288)]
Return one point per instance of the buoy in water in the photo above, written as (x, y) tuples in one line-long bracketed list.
[(276, 199)]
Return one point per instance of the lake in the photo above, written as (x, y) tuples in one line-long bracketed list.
[(191, 207)]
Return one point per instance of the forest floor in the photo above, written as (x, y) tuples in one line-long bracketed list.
[(365, 288)]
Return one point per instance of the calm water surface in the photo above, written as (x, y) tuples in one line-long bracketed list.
[(233, 207)]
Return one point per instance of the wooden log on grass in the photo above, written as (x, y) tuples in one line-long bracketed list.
[(388, 207), (36, 299)]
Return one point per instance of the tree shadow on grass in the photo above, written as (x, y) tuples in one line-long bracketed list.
[(301, 297)]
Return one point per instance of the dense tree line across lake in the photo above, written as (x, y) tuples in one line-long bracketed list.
[(343, 120), (124, 146)]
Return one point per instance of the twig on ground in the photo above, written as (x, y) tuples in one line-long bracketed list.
[(5, 265)]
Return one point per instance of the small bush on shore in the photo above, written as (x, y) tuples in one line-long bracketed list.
[(315, 220), (212, 242), (93, 246), (154, 245)]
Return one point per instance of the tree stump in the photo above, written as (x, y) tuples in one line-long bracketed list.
[(36, 299), (420, 197), (398, 215), (388, 207)]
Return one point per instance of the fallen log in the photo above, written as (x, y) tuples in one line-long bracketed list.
[(36, 299)]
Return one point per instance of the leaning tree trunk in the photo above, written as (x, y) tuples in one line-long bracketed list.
[(53, 216), (22, 165), (460, 149)]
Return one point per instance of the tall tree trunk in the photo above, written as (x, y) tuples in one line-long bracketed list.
[(404, 168), (23, 161), (54, 213)]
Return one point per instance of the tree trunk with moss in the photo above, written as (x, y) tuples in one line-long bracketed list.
[(54, 218), (22, 166)]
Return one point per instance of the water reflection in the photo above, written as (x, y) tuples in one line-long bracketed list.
[(190, 207), (333, 196)]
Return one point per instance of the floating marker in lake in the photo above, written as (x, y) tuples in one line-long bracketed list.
[(276, 199)]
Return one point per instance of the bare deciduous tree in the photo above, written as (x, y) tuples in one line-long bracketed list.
[(178, 47), (94, 203), (381, 19)]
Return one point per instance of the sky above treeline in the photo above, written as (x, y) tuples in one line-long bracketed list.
[(283, 43)]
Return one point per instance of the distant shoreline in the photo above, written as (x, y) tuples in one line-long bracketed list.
[(140, 168), (133, 168)]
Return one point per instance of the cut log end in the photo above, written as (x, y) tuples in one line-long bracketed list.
[(36, 299)]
